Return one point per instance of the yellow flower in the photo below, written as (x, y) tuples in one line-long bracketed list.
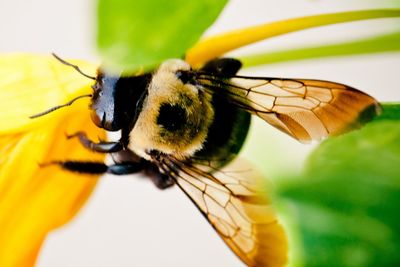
[(34, 199)]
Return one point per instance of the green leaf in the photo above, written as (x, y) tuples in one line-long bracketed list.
[(391, 111), (142, 33), (347, 201), (378, 44)]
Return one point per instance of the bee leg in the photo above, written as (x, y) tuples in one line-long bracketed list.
[(90, 167), (161, 181), (103, 147)]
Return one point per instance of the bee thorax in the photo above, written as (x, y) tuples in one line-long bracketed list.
[(175, 116)]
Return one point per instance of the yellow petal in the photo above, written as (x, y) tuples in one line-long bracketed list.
[(34, 199), (216, 46), (30, 84)]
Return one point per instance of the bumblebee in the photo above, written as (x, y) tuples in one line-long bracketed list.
[(181, 125)]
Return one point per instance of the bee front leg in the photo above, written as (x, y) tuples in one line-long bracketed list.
[(103, 147), (90, 167)]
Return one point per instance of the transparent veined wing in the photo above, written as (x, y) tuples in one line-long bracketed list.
[(305, 109), (236, 206)]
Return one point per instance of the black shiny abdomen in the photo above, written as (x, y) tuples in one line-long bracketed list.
[(226, 134), (231, 124)]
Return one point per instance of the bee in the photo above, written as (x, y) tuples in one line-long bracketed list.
[(180, 126)]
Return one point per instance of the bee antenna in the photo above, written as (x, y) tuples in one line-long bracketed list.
[(58, 107), (74, 66)]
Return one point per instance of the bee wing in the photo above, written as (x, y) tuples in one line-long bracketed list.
[(305, 109), (237, 209)]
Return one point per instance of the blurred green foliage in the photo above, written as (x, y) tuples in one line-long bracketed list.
[(142, 33), (346, 202)]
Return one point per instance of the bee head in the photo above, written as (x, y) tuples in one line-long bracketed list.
[(103, 111), (116, 100)]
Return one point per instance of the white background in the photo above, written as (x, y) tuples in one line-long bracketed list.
[(127, 221)]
